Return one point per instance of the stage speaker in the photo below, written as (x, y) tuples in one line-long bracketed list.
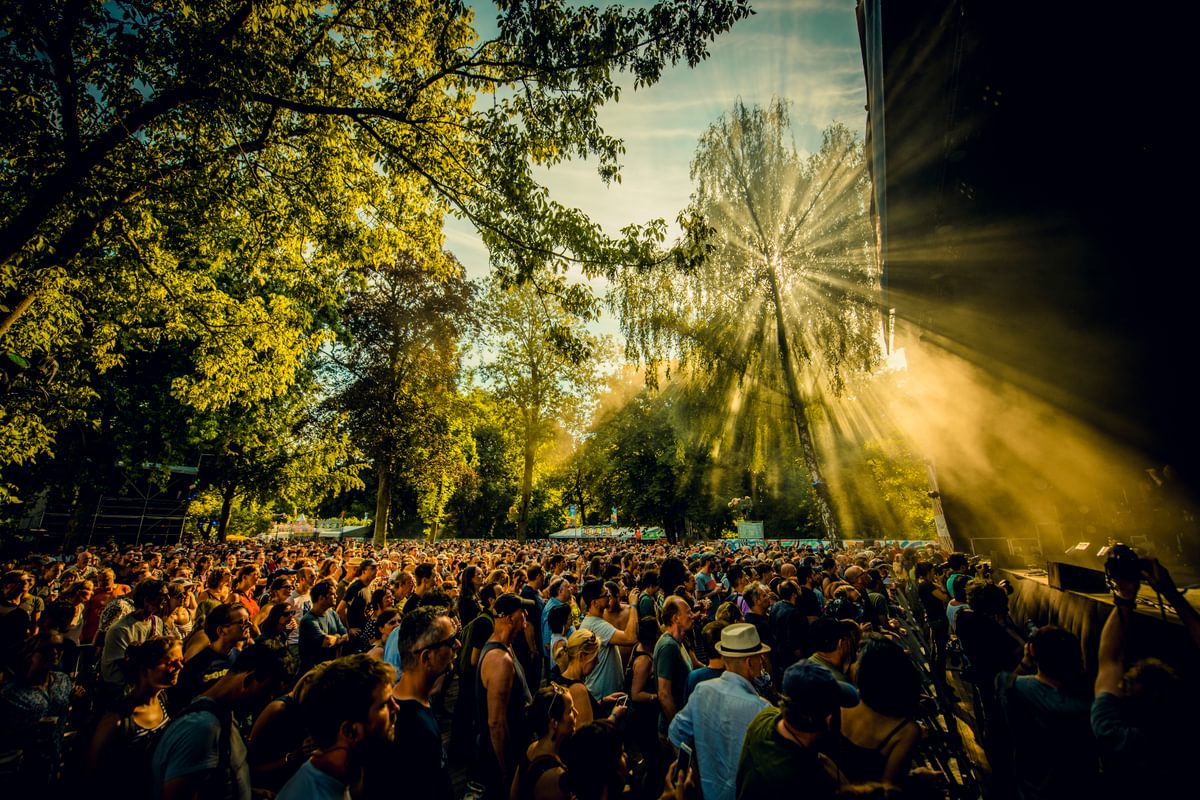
[(1073, 578)]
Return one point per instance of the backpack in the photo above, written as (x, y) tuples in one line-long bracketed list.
[(224, 739)]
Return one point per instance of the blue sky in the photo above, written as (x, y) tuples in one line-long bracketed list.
[(805, 51)]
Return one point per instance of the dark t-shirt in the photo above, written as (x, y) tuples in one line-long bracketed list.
[(765, 634), (790, 629), (670, 663), (418, 766), (14, 629), (1140, 759), (772, 766), (935, 609), (808, 604), (1053, 752), (988, 647), (358, 597), (198, 674)]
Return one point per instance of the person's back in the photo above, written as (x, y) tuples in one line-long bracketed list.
[(772, 765), (718, 714), (418, 748), (1047, 721), (1053, 750), (203, 739), (1143, 734)]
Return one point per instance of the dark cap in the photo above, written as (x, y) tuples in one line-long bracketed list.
[(509, 603), (812, 690), (367, 563)]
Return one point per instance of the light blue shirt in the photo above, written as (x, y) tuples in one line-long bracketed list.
[(551, 603), (716, 718), (391, 650), (310, 783), (609, 674)]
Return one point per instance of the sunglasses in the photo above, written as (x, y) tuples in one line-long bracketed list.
[(448, 642), (559, 693)]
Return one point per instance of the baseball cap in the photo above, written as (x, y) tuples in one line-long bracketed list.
[(178, 587), (813, 691), (509, 603)]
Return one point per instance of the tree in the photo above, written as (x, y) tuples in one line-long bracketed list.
[(543, 365), (480, 507), (207, 172), (287, 450), (782, 304), (395, 377), (641, 465)]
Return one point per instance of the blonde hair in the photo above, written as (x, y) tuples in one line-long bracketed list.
[(582, 643)]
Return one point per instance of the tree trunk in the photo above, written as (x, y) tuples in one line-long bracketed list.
[(526, 481), (227, 495), (383, 504), (808, 447)]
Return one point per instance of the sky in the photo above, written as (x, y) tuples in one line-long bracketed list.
[(805, 51)]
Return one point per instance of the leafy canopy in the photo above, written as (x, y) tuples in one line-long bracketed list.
[(218, 173)]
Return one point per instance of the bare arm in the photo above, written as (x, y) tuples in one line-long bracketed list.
[(1112, 652), (101, 749), (343, 611), (629, 635), (666, 700), (262, 614), (1161, 580), (641, 681), (497, 679), (185, 788), (583, 704)]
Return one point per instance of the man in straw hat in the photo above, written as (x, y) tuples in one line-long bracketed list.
[(720, 710)]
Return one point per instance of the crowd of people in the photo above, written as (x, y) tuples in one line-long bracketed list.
[(555, 671)]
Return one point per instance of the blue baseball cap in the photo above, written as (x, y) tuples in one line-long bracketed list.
[(813, 691)]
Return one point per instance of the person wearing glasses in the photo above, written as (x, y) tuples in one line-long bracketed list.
[(428, 640), (606, 681), (226, 626)]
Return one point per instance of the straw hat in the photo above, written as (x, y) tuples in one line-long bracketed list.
[(740, 640)]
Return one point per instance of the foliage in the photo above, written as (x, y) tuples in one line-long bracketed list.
[(481, 506), (287, 450), (901, 483), (781, 308), (541, 363), (208, 173), (247, 518), (395, 376)]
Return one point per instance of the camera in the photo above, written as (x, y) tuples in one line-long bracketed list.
[(981, 568), (1124, 564)]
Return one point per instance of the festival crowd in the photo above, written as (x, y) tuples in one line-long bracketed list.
[(560, 671)]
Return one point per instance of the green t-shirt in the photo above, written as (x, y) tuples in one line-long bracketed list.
[(671, 662), (772, 765)]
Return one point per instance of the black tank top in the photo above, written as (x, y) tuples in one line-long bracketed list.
[(518, 699), (864, 764)]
